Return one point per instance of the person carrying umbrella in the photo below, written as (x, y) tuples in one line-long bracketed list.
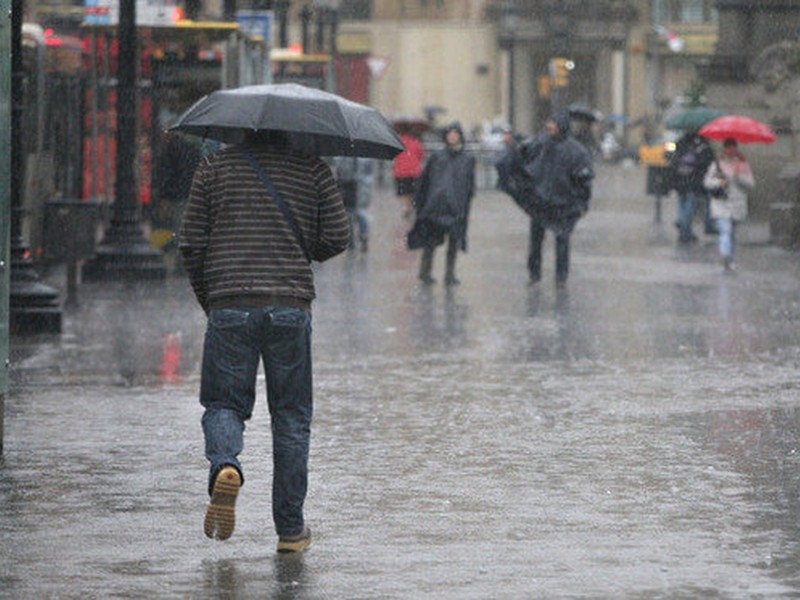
[(251, 277), (442, 204), (259, 211), (729, 180), (689, 163)]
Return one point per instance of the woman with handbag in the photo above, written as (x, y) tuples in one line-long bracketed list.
[(729, 180)]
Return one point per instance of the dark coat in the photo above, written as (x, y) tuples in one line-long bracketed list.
[(443, 199), (684, 178), (560, 173)]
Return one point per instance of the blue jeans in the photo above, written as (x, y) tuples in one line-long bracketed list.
[(687, 206), (236, 339), (727, 237)]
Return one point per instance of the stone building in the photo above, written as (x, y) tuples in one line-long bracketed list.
[(486, 60)]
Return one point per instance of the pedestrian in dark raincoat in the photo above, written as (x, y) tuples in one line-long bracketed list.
[(560, 171), (689, 163), (442, 203)]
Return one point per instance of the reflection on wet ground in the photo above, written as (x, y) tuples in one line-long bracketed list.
[(634, 435)]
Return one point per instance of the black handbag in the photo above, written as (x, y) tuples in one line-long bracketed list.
[(719, 192)]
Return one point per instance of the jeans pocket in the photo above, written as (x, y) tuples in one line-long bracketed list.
[(228, 318), (290, 318), (228, 338)]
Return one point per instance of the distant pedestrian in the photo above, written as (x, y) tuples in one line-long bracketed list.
[(407, 171), (355, 176), (560, 171), (689, 163), (249, 265), (729, 180), (442, 204)]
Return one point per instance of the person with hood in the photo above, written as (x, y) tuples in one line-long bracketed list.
[(442, 203), (559, 169), (689, 163)]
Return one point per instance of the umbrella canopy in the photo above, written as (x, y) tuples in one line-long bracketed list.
[(316, 122), (693, 118), (583, 113), (410, 124), (742, 129)]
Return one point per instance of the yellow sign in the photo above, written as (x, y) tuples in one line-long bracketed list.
[(653, 156)]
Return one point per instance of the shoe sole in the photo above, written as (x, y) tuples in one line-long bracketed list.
[(221, 514)]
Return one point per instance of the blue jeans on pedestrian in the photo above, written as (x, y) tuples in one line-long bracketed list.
[(727, 237), (236, 340), (687, 206)]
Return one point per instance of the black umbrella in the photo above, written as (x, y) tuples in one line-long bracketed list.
[(582, 113), (317, 122)]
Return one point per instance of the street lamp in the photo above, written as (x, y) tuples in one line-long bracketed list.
[(34, 306), (124, 254)]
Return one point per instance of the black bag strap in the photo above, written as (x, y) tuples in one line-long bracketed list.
[(287, 213)]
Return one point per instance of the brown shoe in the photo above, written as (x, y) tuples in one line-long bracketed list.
[(221, 515), (295, 543)]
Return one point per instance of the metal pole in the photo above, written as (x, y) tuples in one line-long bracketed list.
[(511, 76), (282, 7), (5, 201), (305, 22), (124, 254), (106, 111), (95, 132), (33, 305), (656, 67)]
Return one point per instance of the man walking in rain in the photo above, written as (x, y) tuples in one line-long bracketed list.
[(560, 172), (248, 262)]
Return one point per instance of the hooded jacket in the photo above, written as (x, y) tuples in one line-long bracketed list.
[(560, 172), (444, 196), (689, 163)]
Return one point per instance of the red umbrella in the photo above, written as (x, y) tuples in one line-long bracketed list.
[(742, 129)]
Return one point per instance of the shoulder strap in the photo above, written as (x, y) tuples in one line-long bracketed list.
[(287, 213)]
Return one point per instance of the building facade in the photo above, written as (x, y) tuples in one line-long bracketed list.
[(494, 60)]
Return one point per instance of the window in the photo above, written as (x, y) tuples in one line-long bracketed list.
[(360, 10), (684, 11)]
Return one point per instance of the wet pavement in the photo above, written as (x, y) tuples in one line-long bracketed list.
[(634, 435)]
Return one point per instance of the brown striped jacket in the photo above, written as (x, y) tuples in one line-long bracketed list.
[(237, 247)]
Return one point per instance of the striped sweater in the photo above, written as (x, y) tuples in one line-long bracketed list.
[(237, 247)]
